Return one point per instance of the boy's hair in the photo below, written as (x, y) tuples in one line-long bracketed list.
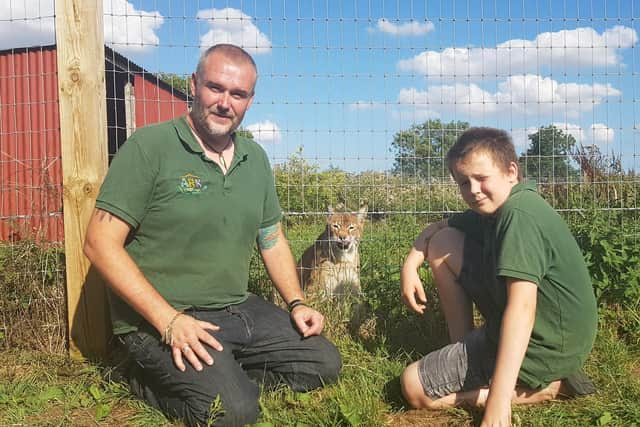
[(494, 142)]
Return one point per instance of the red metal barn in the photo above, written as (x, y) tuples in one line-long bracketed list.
[(30, 152)]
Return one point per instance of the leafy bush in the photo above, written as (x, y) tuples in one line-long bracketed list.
[(610, 246)]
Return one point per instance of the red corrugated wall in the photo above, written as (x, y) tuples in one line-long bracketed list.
[(154, 104), (30, 151), (30, 158)]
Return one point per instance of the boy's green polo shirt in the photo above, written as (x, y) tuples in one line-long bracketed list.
[(193, 228), (528, 240)]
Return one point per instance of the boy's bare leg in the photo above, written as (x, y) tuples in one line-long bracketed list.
[(445, 251), (413, 392)]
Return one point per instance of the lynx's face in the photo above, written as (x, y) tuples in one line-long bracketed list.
[(345, 228)]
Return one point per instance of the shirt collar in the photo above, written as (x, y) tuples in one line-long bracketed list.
[(186, 136), (525, 185)]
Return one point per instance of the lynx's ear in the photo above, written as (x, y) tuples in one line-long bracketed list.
[(339, 207), (362, 212), (330, 209)]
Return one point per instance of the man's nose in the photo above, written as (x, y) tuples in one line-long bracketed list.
[(474, 187), (223, 101)]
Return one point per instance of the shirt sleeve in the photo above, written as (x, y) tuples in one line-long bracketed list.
[(272, 212), (522, 252), (129, 184)]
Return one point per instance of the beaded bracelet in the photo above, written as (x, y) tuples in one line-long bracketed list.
[(296, 302), (167, 337)]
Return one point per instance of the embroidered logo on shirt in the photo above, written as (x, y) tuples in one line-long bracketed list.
[(191, 184)]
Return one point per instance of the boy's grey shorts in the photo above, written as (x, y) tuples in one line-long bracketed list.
[(468, 364), (461, 366)]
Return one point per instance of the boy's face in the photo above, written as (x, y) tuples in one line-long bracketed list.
[(484, 186)]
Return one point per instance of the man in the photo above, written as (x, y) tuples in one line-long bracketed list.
[(172, 234)]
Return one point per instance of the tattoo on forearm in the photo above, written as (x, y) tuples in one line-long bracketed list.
[(268, 237), (103, 215)]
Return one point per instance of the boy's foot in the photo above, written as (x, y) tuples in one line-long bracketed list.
[(577, 384)]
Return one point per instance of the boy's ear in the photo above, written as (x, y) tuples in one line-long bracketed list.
[(514, 171)]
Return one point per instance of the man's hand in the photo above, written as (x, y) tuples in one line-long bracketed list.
[(412, 290), (308, 321), (188, 338)]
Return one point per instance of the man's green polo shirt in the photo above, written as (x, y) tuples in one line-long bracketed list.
[(193, 228)]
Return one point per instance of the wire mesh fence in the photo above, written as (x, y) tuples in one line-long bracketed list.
[(356, 101)]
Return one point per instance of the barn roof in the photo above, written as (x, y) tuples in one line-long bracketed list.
[(119, 62)]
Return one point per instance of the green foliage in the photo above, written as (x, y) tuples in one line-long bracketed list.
[(609, 242), (304, 189), (548, 158), (421, 151), (178, 81)]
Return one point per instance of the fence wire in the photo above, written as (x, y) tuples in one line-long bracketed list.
[(356, 100)]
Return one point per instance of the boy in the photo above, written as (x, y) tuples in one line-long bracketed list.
[(514, 257)]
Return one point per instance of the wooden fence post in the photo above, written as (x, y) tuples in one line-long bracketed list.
[(83, 133)]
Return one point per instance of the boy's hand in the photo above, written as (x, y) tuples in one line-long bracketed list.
[(497, 413), (412, 290)]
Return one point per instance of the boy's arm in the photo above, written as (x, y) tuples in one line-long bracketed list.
[(410, 284), (517, 324)]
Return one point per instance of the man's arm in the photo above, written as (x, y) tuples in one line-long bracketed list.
[(280, 265), (104, 246), (517, 324)]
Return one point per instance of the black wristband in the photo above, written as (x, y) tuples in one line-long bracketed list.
[(293, 304)]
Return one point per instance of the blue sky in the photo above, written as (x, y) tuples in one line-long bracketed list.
[(340, 78)]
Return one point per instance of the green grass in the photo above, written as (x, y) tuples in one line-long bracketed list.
[(43, 388), (40, 389)]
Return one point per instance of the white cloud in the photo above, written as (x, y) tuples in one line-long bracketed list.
[(525, 95), (520, 138), (129, 30), (601, 134), (234, 27), (31, 23), (566, 49), (265, 132), (598, 133), (411, 28)]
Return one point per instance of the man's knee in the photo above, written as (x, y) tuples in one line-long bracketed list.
[(237, 407), (324, 369), (330, 363)]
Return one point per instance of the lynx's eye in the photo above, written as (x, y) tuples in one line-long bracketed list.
[(352, 227), (336, 226)]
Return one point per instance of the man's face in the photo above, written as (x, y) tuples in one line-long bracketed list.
[(221, 95), (484, 186)]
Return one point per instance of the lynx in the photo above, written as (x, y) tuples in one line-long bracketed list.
[(331, 265)]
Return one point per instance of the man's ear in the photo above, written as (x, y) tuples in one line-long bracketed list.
[(250, 101), (192, 84)]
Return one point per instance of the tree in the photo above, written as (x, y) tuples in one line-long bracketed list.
[(422, 150), (177, 81), (548, 158)]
